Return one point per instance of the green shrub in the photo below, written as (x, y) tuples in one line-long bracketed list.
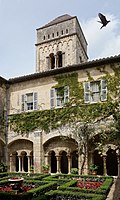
[(74, 171), (73, 195)]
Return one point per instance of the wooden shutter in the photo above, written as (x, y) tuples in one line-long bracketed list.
[(52, 97), (23, 102), (86, 92), (103, 90), (35, 99)]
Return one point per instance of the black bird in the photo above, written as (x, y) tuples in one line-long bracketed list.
[(103, 19)]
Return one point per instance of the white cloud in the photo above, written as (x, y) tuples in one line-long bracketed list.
[(103, 42)]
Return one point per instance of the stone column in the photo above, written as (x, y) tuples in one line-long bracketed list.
[(19, 158), (104, 165), (22, 159), (37, 151), (28, 163), (14, 163), (11, 157), (69, 164), (79, 163), (58, 164)]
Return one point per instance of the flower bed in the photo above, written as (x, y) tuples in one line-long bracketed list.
[(58, 186), (23, 188), (88, 185)]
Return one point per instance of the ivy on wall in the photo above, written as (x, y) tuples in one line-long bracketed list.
[(74, 110)]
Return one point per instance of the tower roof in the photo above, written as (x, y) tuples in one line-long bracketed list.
[(58, 20)]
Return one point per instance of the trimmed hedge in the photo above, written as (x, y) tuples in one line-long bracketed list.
[(67, 195), (58, 186), (103, 189), (34, 193)]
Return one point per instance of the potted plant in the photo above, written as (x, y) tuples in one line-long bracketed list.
[(74, 171), (93, 169), (45, 168)]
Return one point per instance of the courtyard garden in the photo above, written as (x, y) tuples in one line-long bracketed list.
[(24, 186)]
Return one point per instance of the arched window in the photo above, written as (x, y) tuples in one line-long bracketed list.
[(59, 59), (52, 61)]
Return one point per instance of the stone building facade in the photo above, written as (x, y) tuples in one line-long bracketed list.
[(61, 50), (60, 43)]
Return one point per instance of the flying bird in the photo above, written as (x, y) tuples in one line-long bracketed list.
[(103, 19)]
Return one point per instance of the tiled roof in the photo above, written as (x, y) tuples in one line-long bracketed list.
[(71, 68), (57, 20)]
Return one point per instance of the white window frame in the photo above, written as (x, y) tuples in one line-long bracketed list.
[(54, 98), (88, 92), (24, 102)]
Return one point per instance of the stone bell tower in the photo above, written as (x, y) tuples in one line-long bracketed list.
[(60, 43)]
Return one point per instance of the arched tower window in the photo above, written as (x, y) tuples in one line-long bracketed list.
[(52, 61), (59, 59)]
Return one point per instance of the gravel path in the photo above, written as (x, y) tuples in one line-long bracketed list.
[(114, 193)]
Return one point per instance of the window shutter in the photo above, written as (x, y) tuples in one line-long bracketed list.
[(35, 98), (87, 92), (103, 90), (23, 102), (66, 94), (52, 97)]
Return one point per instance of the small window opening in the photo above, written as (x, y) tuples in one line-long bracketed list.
[(66, 30)]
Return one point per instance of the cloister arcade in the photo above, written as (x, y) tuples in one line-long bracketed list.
[(61, 154), (20, 155)]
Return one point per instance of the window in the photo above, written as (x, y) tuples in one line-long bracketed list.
[(59, 59), (95, 91), (59, 96), (29, 101), (52, 61)]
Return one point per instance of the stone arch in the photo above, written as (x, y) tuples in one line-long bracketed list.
[(58, 150), (59, 144), (20, 155)]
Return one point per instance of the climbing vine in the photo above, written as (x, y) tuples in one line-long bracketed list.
[(74, 110)]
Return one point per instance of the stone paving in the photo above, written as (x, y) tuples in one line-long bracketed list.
[(114, 193)]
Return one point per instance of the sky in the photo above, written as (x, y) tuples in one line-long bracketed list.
[(19, 20)]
